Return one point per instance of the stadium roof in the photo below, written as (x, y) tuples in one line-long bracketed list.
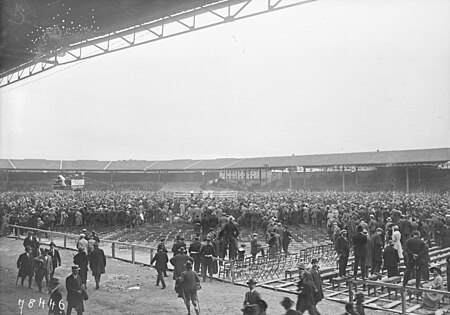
[(32, 29), (432, 157)]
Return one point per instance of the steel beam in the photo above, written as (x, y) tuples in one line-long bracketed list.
[(174, 25)]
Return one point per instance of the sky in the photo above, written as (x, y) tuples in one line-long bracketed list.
[(324, 77)]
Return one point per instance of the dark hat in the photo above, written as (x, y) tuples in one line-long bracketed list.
[(391, 243), (208, 238), (95, 243), (162, 240), (343, 231), (251, 282), (28, 247), (75, 267), (314, 261), (359, 295), (178, 237), (436, 267), (52, 244), (196, 238), (54, 281), (188, 264), (287, 302), (255, 234), (301, 266), (182, 250)]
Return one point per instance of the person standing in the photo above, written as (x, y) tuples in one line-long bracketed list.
[(317, 280), (161, 260), (207, 252), (252, 297), (287, 237), (391, 260), (305, 301), (164, 249), (359, 308), (342, 248), (25, 266), (415, 258), (81, 260), (190, 282), (359, 249), (97, 262), (396, 237), (31, 241), (54, 303), (74, 292), (56, 258), (377, 251), (44, 267), (194, 252)]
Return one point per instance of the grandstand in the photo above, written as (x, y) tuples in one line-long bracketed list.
[(407, 170)]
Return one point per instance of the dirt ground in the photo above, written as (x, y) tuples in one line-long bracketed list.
[(128, 289)]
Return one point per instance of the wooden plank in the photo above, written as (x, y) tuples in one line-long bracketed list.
[(376, 298), (335, 293), (392, 304), (413, 308), (286, 284)]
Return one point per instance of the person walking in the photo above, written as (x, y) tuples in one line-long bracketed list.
[(81, 260), (190, 284), (97, 262), (44, 267), (305, 300), (161, 260), (25, 266), (55, 256), (54, 303), (194, 252), (207, 252), (74, 289), (179, 263)]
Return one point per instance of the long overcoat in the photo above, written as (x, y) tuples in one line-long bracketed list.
[(97, 261)]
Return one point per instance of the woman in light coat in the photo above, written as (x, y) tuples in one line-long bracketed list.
[(396, 237)]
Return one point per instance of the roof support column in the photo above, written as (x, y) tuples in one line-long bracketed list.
[(343, 178), (245, 177), (418, 176), (407, 180), (111, 180), (356, 176), (290, 179), (260, 178)]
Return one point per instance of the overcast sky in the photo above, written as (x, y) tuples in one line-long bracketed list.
[(325, 77)]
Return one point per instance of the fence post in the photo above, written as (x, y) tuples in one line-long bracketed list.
[(151, 255), (40, 238), (402, 295), (113, 250), (350, 290), (133, 253), (232, 271), (65, 241)]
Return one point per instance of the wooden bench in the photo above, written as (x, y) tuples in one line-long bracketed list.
[(394, 279), (373, 287), (337, 282)]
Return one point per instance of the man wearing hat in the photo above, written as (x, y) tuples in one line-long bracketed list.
[(25, 266), (194, 252), (252, 296), (207, 252), (177, 245), (255, 247), (56, 258), (432, 299), (359, 249), (97, 262), (391, 259), (359, 307), (74, 292), (377, 251), (342, 247), (83, 243), (287, 304), (82, 261), (317, 280), (161, 260), (179, 263), (305, 300), (54, 303), (190, 283), (44, 267), (31, 241), (415, 249), (164, 249)]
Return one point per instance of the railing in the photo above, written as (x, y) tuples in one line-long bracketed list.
[(133, 253), (403, 290)]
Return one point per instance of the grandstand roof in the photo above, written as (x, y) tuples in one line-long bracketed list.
[(378, 158), (32, 29)]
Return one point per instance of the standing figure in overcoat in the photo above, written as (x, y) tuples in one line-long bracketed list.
[(377, 251), (55, 306), (97, 262), (317, 280), (342, 247), (81, 260), (161, 260), (25, 266), (179, 263), (55, 256), (74, 292), (391, 259)]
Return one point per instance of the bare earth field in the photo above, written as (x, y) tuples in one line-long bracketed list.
[(119, 293)]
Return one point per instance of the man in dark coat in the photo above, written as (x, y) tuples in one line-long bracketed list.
[(317, 280), (81, 260), (163, 245), (56, 258), (255, 247), (377, 251), (161, 260), (194, 252), (74, 292), (230, 233), (391, 259), (305, 299), (43, 268), (30, 240), (55, 306), (190, 282), (97, 262), (207, 252), (359, 243), (179, 263), (415, 250), (25, 266), (342, 248), (252, 296), (287, 237), (177, 245)]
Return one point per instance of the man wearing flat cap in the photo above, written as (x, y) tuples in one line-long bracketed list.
[(74, 292), (54, 303), (97, 262), (179, 263)]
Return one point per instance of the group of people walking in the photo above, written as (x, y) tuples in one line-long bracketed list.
[(41, 264)]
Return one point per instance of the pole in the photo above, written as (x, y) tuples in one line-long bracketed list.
[(304, 178), (356, 176), (113, 250), (343, 179), (290, 179), (133, 254), (65, 241), (402, 295)]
